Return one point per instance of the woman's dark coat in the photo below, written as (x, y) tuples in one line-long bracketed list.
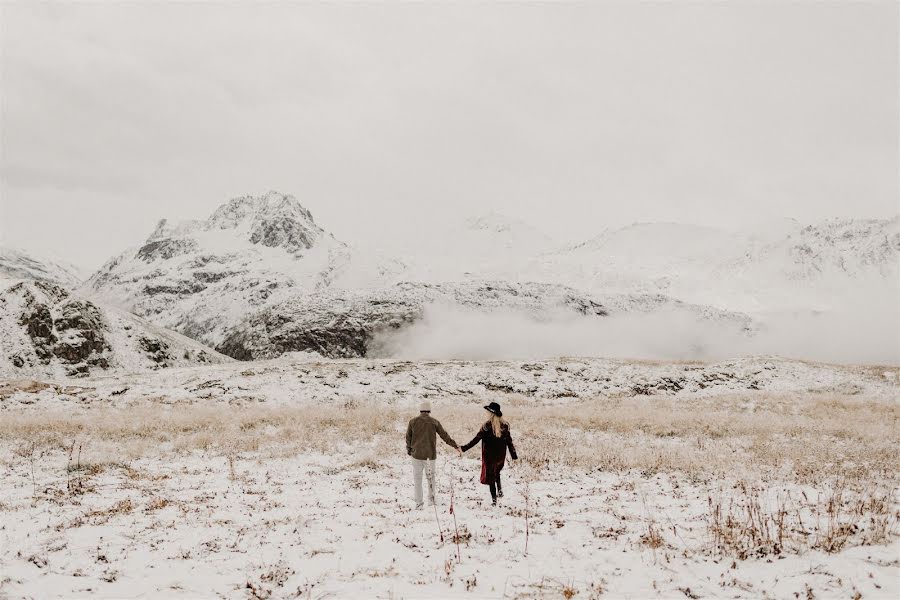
[(493, 451)]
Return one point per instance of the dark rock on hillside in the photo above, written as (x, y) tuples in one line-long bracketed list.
[(165, 249), (81, 330), (283, 232), (345, 324), (177, 288), (38, 323), (156, 349), (72, 332)]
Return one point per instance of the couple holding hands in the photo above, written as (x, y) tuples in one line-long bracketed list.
[(421, 442)]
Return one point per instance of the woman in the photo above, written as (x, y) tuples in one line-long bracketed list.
[(495, 439)]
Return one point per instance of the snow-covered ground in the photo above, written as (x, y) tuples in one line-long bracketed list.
[(314, 526), (293, 380), (752, 478)]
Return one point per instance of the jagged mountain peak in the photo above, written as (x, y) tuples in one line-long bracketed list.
[(273, 219), (271, 205), (201, 277)]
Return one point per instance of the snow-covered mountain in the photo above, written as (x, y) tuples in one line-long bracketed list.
[(260, 277), (772, 267), (16, 265), (494, 235), (46, 331), (839, 248), (202, 278)]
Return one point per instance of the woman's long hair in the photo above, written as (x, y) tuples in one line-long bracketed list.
[(495, 424)]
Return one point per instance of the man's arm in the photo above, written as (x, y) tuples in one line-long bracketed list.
[(445, 436), (409, 439)]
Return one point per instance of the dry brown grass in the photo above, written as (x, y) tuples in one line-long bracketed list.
[(843, 447), (752, 524), (652, 538), (800, 438)]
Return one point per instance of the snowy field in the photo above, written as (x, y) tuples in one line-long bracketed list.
[(755, 478)]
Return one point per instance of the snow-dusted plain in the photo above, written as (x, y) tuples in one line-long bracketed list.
[(287, 478), (291, 382), (325, 526)]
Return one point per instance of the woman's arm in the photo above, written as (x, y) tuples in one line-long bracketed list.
[(507, 437), (474, 441)]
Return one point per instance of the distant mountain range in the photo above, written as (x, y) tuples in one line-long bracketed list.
[(260, 277), (785, 265)]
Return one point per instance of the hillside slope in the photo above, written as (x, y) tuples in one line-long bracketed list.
[(46, 331)]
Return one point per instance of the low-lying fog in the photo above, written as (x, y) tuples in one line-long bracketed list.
[(862, 328)]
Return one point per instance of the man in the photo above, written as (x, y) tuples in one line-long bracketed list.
[(421, 445)]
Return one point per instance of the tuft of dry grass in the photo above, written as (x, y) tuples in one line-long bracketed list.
[(156, 503), (652, 538)]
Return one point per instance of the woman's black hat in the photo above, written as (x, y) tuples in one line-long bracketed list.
[(494, 408)]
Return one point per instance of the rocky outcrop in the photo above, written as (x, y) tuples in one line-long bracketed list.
[(282, 231), (165, 249), (45, 330), (320, 327), (156, 349), (68, 330)]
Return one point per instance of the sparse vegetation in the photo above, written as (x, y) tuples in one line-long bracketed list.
[(799, 438), (769, 476)]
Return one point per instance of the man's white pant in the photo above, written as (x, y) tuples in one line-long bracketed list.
[(418, 466)]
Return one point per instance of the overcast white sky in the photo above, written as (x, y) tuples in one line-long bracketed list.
[(574, 117)]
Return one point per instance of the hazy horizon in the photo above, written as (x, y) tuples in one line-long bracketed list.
[(379, 118)]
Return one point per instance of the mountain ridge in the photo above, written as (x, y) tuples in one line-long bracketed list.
[(17, 264), (208, 278)]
